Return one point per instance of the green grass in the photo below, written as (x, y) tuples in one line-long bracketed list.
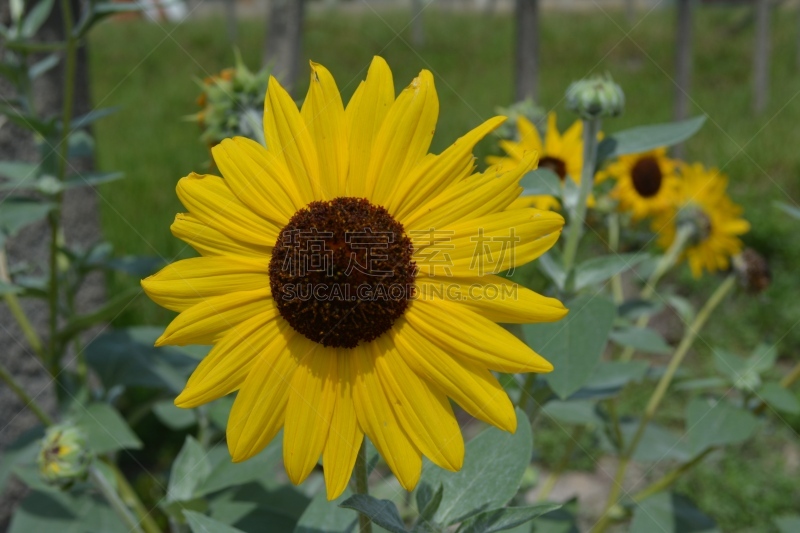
[(150, 75)]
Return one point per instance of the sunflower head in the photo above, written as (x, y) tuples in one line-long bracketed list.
[(715, 220), (348, 280)]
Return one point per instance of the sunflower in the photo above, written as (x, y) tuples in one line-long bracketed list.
[(562, 154), (646, 184), (716, 219), (345, 281)]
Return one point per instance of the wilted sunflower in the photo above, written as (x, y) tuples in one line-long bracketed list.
[(646, 184), (291, 289), (715, 219)]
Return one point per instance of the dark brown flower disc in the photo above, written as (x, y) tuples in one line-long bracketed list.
[(646, 176), (556, 165), (342, 272)]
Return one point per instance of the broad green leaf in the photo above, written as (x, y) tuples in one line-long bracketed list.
[(644, 138), (81, 144), (563, 520), (657, 443), (790, 210), (96, 114), (616, 374), (225, 473), (682, 306), (219, 410), (24, 450), (36, 17), (16, 213), (382, 512), (642, 339), (763, 357), (190, 469), (701, 383), (670, 513), (601, 269), (504, 519), (61, 512), (252, 505), (779, 398), (740, 372), (43, 65), (106, 430), (323, 516), (18, 172), (717, 423), (8, 288), (789, 523), (200, 523), (428, 501), (575, 343), (174, 417), (493, 467), (541, 181), (634, 309), (581, 412), (553, 270)]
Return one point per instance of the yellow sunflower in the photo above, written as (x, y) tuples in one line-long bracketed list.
[(646, 184), (704, 203), (563, 154), (347, 281)]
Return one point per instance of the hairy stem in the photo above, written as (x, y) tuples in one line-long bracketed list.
[(362, 485), (29, 402)]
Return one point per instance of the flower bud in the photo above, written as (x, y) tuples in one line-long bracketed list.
[(753, 271), (64, 456), (595, 97), (694, 216)]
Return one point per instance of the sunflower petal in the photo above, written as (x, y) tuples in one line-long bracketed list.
[(379, 422), (208, 320), (323, 113), (211, 200), (312, 398), (345, 436), (227, 365), (470, 385), (365, 114), (210, 242), (289, 140), (181, 285), (424, 412), (459, 331), (404, 137)]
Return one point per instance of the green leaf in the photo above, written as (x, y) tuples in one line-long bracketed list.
[(575, 343), (36, 17), (323, 516), (634, 309), (682, 306), (580, 412), (28, 121), (42, 66), (779, 398), (791, 210), (701, 383), (190, 469), (61, 512), (106, 430), (504, 519), (717, 423), (174, 417), (382, 512), (600, 269), (17, 172), (763, 357), (16, 213), (428, 502), (563, 520), (24, 450), (642, 339), (553, 270), (789, 523), (494, 464), (225, 473), (645, 138), (670, 513), (616, 374), (739, 371), (541, 181), (93, 115), (200, 523), (657, 443), (8, 288), (91, 179)]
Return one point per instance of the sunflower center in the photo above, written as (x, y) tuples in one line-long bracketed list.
[(646, 176), (342, 272), (555, 164)]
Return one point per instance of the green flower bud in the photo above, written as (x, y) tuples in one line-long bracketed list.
[(64, 456), (595, 97), (694, 216)]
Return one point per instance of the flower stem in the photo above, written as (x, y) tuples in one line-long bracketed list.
[(18, 313), (131, 499), (613, 245), (29, 402), (111, 496), (362, 485), (667, 261), (653, 404), (590, 129), (670, 478)]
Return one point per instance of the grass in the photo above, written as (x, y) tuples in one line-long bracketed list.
[(148, 70)]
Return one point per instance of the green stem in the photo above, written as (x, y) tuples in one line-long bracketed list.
[(130, 497), (670, 478), (111, 496), (29, 402), (689, 337), (613, 244), (562, 464), (362, 485), (524, 395), (667, 261), (787, 381), (18, 313), (590, 129)]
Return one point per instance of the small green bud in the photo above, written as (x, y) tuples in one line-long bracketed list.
[(64, 456), (595, 97), (695, 217)]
